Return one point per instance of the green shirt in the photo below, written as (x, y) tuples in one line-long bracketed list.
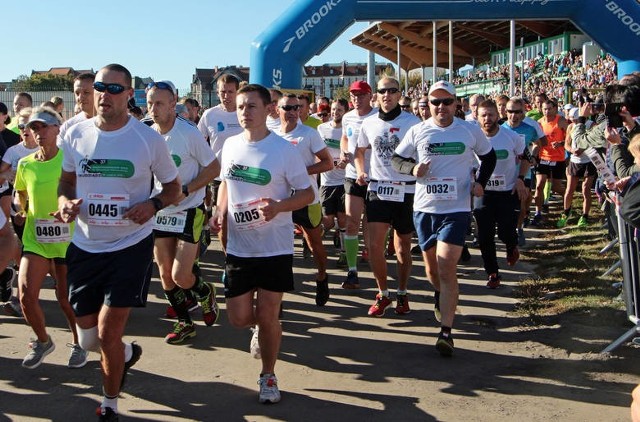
[(42, 234)]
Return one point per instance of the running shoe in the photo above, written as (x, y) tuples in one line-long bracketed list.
[(522, 240), (545, 208), (254, 345), (38, 352), (181, 331), (322, 291), (352, 281), (583, 222), (78, 357), (210, 311), (13, 308), (444, 345), (562, 221), (269, 392), (379, 306), (6, 283), (106, 414), (402, 304), (494, 281), (513, 255), (192, 305), (136, 352), (537, 220), (342, 261)]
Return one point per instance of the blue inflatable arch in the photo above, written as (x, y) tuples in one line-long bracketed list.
[(280, 52)]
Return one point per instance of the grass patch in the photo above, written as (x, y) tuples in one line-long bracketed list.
[(568, 274)]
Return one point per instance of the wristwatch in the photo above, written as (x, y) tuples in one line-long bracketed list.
[(157, 203), (185, 190)]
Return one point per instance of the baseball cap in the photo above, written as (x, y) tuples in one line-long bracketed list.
[(44, 117), (574, 113), (444, 85), (164, 85), (361, 86), (568, 106)]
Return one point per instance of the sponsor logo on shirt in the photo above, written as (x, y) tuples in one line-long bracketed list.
[(247, 174), (445, 148), (104, 167), (176, 159)]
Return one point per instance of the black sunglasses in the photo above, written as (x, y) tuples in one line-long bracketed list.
[(22, 126), (445, 101), (290, 107), (110, 88), (514, 111), (161, 85), (383, 91)]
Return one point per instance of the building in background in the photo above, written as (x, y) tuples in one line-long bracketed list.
[(203, 86), (324, 80)]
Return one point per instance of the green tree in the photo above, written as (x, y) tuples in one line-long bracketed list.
[(43, 82)]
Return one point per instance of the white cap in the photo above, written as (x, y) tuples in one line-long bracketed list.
[(444, 85)]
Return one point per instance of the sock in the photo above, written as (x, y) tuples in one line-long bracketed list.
[(401, 292), (547, 191), (111, 402), (445, 331), (351, 248), (342, 235), (384, 293), (128, 352), (178, 300), (200, 288)]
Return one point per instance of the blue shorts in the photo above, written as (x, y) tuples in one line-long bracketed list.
[(118, 279), (448, 228)]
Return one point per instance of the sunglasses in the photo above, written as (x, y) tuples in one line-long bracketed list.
[(323, 114), (514, 111), (22, 126), (160, 85), (383, 91), (289, 107), (445, 101), (110, 88)]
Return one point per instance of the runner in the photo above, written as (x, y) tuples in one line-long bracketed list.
[(109, 163), (259, 170), (45, 240), (178, 228)]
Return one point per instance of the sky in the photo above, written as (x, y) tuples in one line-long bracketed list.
[(160, 39)]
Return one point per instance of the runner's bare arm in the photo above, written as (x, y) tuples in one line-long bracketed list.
[(206, 175), (141, 212), (68, 204), (296, 201), (325, 162)]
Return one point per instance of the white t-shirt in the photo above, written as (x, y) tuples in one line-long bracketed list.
[(534, 123), (446, 188), (351, 123), (190, 153), (331, 136), (273, 123), (269, 168), (308, 142), (114, 171), (80, 117), (383, 137), (508, 145), (12, 156), (218, 125), (582, 158)]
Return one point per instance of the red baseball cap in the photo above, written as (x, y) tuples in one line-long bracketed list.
[(361, 86)]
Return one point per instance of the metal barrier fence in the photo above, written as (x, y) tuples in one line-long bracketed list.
[(628, 239), (41, 96)]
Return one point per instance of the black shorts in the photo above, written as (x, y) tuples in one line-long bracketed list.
[(7, 192), (398, 214), (308, 217), (242, 275), (192, 230), (332, 199), (554, 170), (352, 188), (118, 279), (582, 170)]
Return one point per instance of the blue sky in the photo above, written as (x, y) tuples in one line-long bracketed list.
[(160, 39)]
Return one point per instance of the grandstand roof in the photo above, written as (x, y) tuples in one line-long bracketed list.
[(473, 41)]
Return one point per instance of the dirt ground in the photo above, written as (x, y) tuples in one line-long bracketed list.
[(338, 364)]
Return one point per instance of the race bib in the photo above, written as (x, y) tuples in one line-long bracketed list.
[(247, 216), (170, 222), (390, 191), (548, 163), (441, 188), (107, 209), (497, 182), (52, 231)]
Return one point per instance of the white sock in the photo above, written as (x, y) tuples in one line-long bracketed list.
[(128, 352), (110, 402)]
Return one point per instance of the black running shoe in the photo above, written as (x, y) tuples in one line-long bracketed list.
[(322, 291), (106, 414), (444, 345), (135, 357), (6, 283)]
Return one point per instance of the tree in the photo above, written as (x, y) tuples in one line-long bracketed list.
[(43, 82)]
